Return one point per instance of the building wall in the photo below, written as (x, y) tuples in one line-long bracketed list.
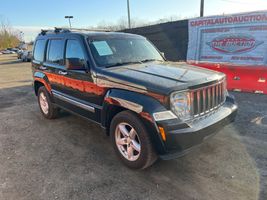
[(170, 38)]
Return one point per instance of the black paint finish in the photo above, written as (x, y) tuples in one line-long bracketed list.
[(142, 88)]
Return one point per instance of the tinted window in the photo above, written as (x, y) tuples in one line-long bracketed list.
[(55, 51), (39, 50), (74, 50)]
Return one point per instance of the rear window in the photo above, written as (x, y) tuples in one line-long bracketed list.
[(55, 51), (39, 49)]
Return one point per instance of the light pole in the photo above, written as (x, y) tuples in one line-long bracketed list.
[(69, 17), (21, 36), (129, 16)]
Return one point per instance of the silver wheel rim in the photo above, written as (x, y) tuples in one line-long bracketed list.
[(127, 141), (43, 103)]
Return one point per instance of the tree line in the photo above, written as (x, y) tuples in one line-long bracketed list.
[(9, 38), (122, 23)]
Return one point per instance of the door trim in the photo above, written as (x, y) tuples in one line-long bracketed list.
[(65, 97)]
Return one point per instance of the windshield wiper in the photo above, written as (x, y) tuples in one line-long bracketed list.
[(132, 62), (149, 60), (122, 63)]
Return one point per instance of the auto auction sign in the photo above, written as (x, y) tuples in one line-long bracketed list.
[(240, 39)]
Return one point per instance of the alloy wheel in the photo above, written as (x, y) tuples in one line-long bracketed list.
[(127, 141), (43, 103)]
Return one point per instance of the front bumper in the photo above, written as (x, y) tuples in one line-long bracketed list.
[(183, 137)]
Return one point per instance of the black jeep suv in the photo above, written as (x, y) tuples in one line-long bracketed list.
[(149, 107)]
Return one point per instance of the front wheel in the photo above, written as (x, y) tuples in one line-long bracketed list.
[(131, 141)]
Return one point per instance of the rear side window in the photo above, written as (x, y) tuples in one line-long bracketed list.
[(55, 51), (39, 50)]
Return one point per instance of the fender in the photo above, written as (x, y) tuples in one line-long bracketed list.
[(41, 77), (141, 104)]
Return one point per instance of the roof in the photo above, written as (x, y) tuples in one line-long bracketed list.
[(86, 32)]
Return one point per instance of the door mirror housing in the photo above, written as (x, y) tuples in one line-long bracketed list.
[(75, 64)]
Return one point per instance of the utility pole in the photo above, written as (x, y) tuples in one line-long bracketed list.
[(201, 8), (69, 17), (129, 16)]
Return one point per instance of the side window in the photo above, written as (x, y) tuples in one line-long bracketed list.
[(74, 50), (75, 58), (55, 51), (39, 49)]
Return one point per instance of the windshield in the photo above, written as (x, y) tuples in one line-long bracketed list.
[(111, 52)]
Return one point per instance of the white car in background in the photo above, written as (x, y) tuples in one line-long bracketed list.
[(26, 56), (6, 52), (19, 53)]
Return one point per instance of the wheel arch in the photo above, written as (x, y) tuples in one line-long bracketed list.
[(117, 100), (40, 79)]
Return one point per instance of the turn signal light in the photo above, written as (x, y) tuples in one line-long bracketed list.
[(162, 132)]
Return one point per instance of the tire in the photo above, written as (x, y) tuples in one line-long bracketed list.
[(48, 109), (140, 140)]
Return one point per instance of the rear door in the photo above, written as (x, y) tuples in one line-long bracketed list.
[(54, 63), (38, 54)]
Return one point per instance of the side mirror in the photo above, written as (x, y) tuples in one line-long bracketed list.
[(75, 64), (163, 55)]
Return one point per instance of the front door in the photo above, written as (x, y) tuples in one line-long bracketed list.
[(80, 94)]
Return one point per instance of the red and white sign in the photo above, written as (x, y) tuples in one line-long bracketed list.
[(235, 45), (239, 39)]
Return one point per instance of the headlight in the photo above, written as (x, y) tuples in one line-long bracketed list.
[(181, 104)]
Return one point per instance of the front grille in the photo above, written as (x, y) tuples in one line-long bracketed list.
[(207, 99)]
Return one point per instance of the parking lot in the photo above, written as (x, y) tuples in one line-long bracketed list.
[(71, 158)]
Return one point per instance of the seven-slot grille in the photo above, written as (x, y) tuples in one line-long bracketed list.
[(207, 99)]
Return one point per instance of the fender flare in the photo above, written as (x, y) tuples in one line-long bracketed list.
[(42, 78), (141, 104)]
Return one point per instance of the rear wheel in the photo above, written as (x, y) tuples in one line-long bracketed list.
[(48, 109), (131, 141)]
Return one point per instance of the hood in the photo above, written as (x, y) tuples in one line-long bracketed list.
[(159, 77)]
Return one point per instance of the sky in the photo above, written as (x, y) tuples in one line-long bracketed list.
[(30, 16)]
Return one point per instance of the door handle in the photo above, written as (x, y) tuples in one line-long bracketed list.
[(42, 68), (62, 72)]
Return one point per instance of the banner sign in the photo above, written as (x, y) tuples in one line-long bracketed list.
[(239, 39)]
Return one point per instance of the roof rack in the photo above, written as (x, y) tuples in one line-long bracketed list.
[(84, 29), (43, 31), (62, 30)]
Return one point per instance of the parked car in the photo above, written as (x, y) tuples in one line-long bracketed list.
[(6, 52), (149, 107), (15, 49), (12, 50), (19, 53), (26, 56)]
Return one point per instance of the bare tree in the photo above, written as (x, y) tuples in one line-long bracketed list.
[(122, 23), (8, 36)]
